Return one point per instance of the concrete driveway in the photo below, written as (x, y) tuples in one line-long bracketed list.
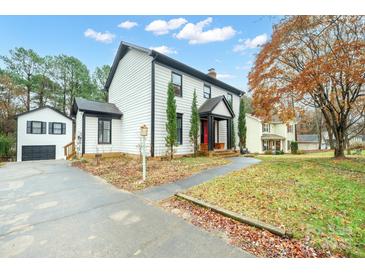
[(49, 209)]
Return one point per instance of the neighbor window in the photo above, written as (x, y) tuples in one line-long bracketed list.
[(289, 145), (179, 128), (207, 91), (176, 80), (290, 128), (104, 131), (265, 127), (265, 145), (57, 128), (36, 127)]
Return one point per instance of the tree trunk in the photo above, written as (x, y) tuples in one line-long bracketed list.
[(28, 98), (340, 143)]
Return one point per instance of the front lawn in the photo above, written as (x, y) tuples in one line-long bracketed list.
[(318, 199), (126, 172)]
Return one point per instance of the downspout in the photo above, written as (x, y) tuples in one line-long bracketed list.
[(153, 106)]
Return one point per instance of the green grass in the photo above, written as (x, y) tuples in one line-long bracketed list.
[(311, 195)]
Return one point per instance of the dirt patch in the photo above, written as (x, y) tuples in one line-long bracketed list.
[(256, 241)]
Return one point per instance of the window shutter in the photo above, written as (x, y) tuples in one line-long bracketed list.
[(44, 125), (50, 126), (29, 126), (63, 128)]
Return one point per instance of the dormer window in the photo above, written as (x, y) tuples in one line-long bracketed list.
[(265, 128), (176, 80)]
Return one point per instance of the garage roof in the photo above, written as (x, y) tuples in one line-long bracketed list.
[(36, 109), (95, 107)]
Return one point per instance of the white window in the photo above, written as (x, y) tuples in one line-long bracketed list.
[(207, 91), (289, 128), (265, 127), (36, 127)]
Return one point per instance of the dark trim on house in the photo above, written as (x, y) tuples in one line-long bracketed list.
[(180, 116), (83, 134), (229, 133), (101, 115), (153, 108), (209, 105), (110, 130), (40, 108), (161, 58), (181, 84)]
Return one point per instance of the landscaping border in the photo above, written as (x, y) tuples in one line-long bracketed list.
[(237, 217)]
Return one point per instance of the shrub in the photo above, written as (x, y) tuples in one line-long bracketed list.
[(294, 147), (6, 145), (268, 152), (279, 152)]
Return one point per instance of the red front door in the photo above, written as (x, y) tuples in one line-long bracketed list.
[(205, 131)]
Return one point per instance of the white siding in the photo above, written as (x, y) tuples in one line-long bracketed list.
[(78, 135), (130, 91), (43, 115), (254, 133), (183, 105), (91, 137)]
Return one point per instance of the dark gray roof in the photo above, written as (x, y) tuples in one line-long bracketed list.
[(309, 138), (95, 107), (209, 105), (36, 109), (161, 58)]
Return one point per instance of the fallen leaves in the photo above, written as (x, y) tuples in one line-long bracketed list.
[(126, 172), (259, 242)]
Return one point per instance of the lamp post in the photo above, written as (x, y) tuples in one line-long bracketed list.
[(143, 133)]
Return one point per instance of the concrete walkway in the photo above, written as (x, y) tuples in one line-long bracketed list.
[(49, 209), (164, 191)]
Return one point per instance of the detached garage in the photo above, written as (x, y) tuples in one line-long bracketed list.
[(42, 134)]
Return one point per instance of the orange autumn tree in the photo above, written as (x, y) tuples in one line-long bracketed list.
[(313, 61)]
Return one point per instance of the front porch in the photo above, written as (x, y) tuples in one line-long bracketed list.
[(272, 142), (215, 125)]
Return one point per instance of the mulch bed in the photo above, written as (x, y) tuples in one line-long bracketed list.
[(258, 242)]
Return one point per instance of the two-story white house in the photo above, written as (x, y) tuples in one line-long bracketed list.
[(137, 95), (268, 136)]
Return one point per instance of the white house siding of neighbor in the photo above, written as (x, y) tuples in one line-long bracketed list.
[(274, 135), (42, 134)]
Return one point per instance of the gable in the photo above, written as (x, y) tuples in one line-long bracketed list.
[(221, 109)]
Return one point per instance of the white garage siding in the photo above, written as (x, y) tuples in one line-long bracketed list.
[(130, 91), (47, 115), (183, 105)]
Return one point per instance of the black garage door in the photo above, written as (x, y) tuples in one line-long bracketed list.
[(30, 153)]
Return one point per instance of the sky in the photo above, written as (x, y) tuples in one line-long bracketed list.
[(227, 43)]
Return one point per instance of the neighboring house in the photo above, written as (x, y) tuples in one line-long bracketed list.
[(42, 134), (137, 94), (310, 142), (268, 136)]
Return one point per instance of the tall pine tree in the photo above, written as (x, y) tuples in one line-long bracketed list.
[(242, 130), (171, 126), (194, 124)]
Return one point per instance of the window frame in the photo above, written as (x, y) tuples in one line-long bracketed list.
[(175, 85), (289, 128), (268, 127), (210, 91), (51, 129), (43, 127), (229, 98), (179, 130), (102, 142)]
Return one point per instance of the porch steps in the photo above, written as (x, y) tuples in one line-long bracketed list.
[(225, 153)]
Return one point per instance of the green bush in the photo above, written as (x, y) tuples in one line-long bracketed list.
[(279, 152), (294, 147), (268, 152), (6, 145)]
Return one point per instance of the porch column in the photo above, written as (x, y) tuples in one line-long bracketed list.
[(229, 132), (210, 132)]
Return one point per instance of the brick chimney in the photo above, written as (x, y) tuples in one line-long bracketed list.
[(212, 73)]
